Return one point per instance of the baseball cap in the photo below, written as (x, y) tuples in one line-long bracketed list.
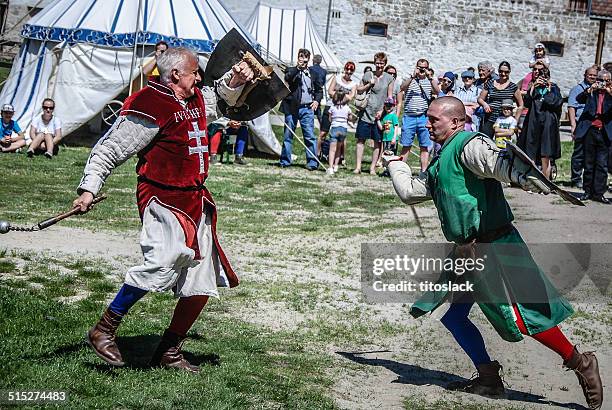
[(468, 74), (450, 75), (8, 108), (507, 103), (539, 45), (390, 101)]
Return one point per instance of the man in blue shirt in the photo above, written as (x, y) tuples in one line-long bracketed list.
[(8, 127), (574, 110)]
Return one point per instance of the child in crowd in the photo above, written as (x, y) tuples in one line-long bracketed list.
[(539, 54), (389, 125), (505, 125), (339, 115), (11, 135)]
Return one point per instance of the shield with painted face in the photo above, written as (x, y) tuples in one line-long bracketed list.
[(260, 95)]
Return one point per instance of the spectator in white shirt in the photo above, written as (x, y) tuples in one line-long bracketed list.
[(45, 131)]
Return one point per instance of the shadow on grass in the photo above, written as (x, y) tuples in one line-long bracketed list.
[(137, 352), (419, 376)]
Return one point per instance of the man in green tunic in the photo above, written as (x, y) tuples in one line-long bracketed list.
[(464, 181)]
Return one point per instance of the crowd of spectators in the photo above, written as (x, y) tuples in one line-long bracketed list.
[(527, 112), (388, 111)]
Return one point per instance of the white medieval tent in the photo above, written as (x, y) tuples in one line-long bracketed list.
[(283, 31), (81, 53)]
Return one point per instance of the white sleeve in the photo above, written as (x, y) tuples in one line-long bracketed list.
[(481, 156), (128, 135), (58, 123), (411, 190), (230, 95)]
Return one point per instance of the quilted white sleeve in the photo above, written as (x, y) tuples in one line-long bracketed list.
[(481, 156), (230, 95), (128, 135), (411, 190)]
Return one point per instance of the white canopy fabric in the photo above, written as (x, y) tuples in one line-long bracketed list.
[(79, 52), (197, 24), (283, 31)]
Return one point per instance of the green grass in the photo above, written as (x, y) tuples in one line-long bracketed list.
[(257, 370), (43, 349), (249, 198)]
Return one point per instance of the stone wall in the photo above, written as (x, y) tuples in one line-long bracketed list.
[(455, 34)]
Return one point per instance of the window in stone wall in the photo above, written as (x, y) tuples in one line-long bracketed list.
[(375, 29), (579, 6), (554, 48), (335, 14)]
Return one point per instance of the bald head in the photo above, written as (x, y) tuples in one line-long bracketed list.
[(450, 106), (445, 116)]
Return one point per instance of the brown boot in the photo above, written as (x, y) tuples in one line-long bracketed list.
[(101, 338), (587, 370), (168, 353), (488, 382)]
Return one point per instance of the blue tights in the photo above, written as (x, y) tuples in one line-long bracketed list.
[(126, 298), (466, 333)]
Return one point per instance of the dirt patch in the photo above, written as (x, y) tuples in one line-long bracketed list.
[(414, 364)]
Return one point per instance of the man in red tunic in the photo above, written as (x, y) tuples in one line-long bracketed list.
[(165, 125)]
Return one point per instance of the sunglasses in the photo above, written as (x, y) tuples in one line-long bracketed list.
[(504, 71), (48, 108)]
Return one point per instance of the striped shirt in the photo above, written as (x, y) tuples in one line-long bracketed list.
[(416, 101), (495, 98)]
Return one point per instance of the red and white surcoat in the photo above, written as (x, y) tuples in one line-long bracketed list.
[(178, 238)]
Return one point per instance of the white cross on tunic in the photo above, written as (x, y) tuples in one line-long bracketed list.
[(199, 148)]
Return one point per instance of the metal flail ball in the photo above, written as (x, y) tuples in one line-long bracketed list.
[(5, 226)]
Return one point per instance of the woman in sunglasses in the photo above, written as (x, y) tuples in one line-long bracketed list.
[(492, 95), (46, 131)]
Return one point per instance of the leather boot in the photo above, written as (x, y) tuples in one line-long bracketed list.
[(587, 370), (488, 382), (101, 338), (168, 353)]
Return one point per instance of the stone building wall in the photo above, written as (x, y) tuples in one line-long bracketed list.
[(452, 34), (455, 34)]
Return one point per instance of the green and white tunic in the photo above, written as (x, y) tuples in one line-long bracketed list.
[(464, 183)]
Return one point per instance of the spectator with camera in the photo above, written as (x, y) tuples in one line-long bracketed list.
[(524, 85), (540, 137), (574, 111), (379, 86), (595, 128), (11, 136), (300, 105), (345, 83), (492, 95), (416, 93)]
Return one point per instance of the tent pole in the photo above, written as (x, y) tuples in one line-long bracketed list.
[(329, 9), (135, 45)]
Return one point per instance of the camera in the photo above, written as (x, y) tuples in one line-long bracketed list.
[(600, 83), (422, 70)]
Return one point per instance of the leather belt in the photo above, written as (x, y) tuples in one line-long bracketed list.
[(495, 234)]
